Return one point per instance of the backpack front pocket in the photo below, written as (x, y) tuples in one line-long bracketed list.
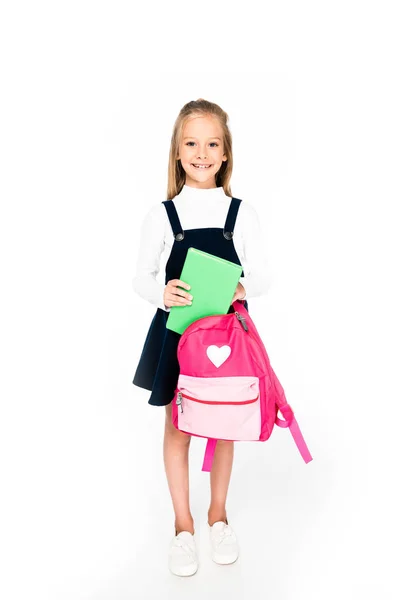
[(219, 407)]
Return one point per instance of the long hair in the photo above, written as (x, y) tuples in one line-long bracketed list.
[(176, 173)]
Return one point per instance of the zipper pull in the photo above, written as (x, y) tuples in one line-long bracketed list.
[(179, 401), (242, 320)]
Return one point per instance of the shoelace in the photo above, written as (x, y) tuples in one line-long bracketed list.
[(225, 534), (188, 549)]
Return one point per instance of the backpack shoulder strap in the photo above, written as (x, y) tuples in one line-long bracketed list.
[(294, 428), (209, 454)]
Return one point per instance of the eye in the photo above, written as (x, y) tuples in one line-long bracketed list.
[(188, 143)]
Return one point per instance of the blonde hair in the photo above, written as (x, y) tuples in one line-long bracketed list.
[(176, 173)]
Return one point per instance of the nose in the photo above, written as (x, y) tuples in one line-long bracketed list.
[(202, 154)]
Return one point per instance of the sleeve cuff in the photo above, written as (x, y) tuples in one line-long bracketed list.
[(161, 300), (256, 284), (242, 280)]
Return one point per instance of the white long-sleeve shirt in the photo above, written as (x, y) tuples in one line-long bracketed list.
[(198, 208)]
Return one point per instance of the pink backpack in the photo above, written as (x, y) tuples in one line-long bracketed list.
[(226, 387)]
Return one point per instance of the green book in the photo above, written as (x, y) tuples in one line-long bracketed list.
[(213, 281)]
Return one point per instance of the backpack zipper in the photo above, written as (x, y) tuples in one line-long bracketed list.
[(242, 320), (180, 396), (179, 401)]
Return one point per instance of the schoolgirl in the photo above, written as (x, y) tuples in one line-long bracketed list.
[(200, 212)]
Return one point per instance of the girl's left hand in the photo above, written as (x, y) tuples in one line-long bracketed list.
[(239, 293)]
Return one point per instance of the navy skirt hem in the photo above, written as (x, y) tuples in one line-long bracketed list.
[(158, 367)]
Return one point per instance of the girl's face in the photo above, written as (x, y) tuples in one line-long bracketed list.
[(201, 144)]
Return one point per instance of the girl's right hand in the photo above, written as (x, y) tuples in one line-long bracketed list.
[(174, 296)]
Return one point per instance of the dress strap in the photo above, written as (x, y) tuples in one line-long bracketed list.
[(175, 223), (231, 218)]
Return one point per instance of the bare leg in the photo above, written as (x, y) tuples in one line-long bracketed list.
[(219, 479), (176, 461)]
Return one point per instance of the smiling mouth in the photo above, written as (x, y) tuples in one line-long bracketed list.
[(200, 166)]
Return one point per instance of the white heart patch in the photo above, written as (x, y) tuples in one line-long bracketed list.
[(218, 355)]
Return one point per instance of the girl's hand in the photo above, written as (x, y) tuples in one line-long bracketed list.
[(240, 292), (174, 296)]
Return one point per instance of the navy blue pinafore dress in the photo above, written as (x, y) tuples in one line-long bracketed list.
[(158, 367)]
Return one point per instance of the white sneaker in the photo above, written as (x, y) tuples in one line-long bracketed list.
[(182, 557), (224, 544)]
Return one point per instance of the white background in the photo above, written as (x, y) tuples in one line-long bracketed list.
[(90, 91)]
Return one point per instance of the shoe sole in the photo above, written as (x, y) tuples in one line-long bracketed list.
[(187, 573), (224, 560)]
